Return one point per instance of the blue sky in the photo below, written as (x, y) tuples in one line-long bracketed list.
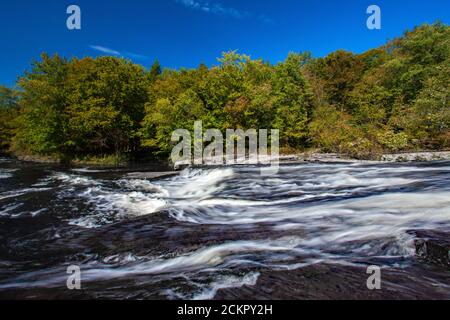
[(184, 33)]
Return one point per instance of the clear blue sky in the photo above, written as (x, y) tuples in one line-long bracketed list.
[(184, 33)]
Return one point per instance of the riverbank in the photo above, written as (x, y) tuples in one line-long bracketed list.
[(423, 156), (111, 162)]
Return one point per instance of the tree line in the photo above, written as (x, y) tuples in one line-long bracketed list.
[(388, 99)]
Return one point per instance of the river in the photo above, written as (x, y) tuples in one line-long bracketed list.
[(308, 232)]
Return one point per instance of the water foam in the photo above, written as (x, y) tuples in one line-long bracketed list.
[(7, 173), (131, 198)]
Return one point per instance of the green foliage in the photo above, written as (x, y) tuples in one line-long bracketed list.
[(43, 121), (105, 104), (432, 106), (331, 129), (397, 95), (393, 141), (387, 99), (340, 72), (293, 100), (8, 114), (240, 93), (81, 107), (103, 161)]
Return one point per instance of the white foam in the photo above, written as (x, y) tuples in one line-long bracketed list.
[(75, 180), (38, 212), (21, 192), (110, 206), (7, 173), (5, 211), (221, 198), (197, 260), (224, 282), (198, 183), (142, 185)]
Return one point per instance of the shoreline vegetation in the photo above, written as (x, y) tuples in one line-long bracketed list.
[(384, 104)]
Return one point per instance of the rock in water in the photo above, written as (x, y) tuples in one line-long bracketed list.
[(433, 247), (152, 175)]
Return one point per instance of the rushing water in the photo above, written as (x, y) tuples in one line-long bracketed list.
[(208, 229)]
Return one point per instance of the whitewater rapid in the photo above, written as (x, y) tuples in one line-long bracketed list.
[(306, 214)]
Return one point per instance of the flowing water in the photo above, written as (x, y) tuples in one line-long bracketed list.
[(209, 229)]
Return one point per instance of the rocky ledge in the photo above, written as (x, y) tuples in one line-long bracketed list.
[(152, 175), (396, 157), (433, 247), (416, 156), (325, 281), (337, 282)]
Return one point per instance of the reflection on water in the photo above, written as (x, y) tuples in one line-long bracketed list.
[(208, 229)]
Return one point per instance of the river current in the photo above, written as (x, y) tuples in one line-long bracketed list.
[(211, 229)]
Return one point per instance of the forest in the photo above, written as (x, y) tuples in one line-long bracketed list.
[(389, 99)]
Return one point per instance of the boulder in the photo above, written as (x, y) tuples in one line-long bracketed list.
[(433, 247)]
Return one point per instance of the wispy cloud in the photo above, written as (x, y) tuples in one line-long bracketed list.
[(219, 9), (114, 52), (106, 50)]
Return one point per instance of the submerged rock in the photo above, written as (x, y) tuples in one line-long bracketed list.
[(338, 282), (152, 175), (433, 247)]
